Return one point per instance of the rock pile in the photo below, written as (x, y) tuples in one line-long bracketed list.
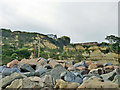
[(58, 74)]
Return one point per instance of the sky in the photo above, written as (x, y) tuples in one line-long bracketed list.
[(81, 20)]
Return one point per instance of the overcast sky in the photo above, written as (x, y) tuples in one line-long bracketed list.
[(81, 21)]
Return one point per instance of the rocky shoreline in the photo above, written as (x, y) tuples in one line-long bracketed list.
[(59, 74)]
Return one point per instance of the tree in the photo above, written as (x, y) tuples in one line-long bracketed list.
[(65, 40), (112, 39), (14, 56), (23, 53)]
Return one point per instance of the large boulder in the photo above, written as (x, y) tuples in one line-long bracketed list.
[(71, 77), (9, 71), (12, 63), (109, 76), (61, 84), (8, 79), (24, 83), (55, 72), (95, 83), (26, 68), (31, 62), (37, 79)]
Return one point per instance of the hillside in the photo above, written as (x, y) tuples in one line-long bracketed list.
[(19, 45)]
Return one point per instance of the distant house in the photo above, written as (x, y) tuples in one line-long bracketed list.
[(52, 36), (90, 43)]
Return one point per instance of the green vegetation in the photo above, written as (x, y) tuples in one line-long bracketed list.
[(19, 45)]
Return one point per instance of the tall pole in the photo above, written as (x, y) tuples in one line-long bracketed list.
[(34, 49), (39, 48)]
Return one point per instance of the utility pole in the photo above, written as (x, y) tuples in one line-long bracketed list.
[(39, 48), (38, 39), (34, 48)]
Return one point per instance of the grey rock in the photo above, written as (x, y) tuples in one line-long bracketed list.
[(23, 83), (48, 81), (70, 77), (8, 79), (9, 71), (1, 68), (55, 72), (26, 68)]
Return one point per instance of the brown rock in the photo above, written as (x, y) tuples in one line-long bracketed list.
[(95, 82), (61, 84), (12, 63), (28, 61)]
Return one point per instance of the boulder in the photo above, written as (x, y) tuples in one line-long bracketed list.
[(8, 79), (26, 68), (98, 71), (55, 72), (12, 63), (23, 83), (108, 68), (1, 68), (71, 77), (61, 84), (15, 84), (30, 62), (38, 80), (81, 64), (109, 76), (48, 81), (94, 82), (9, 71)]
